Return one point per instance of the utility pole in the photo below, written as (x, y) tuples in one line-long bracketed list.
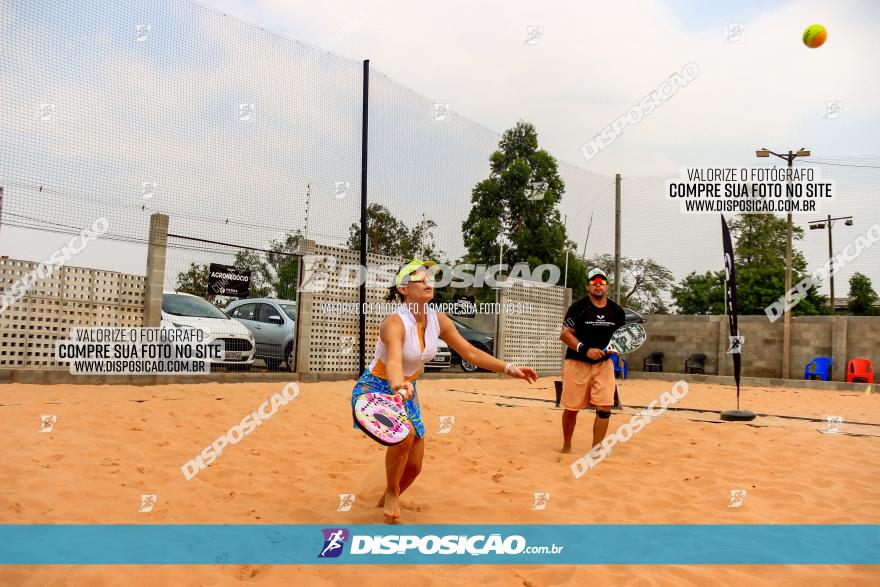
[(786, 319), (818, 224), (617, 238), (589, 227)]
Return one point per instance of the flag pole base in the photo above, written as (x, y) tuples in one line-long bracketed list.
[(738, 416)]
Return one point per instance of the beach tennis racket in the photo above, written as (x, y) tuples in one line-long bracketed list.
[(626, 339), (381, 418)]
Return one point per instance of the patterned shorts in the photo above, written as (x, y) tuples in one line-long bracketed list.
[(370, 383)]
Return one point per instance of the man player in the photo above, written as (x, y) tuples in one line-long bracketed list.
[(587, 373)]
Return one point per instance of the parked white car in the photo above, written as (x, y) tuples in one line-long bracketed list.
[(442, 359), (181, 310)]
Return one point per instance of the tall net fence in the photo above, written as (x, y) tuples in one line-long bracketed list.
[(251, 144), (119, 110)]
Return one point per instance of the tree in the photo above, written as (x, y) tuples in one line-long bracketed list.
[(383, 232), (284, 265), (862, 296), (274, 272), (193, 281), (419, 241), (761, 238), (260, 273), (386, 235), (517, 205), (760, 272), (700, 294), (642, 285), (760, 265)]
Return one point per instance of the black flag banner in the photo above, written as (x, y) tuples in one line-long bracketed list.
[(736, 341), (730, 296)]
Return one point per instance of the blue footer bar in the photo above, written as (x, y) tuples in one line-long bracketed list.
[(294, 544)]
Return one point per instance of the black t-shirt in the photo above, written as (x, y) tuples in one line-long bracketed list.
[(593, 326)]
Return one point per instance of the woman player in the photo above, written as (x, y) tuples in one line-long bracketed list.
[(407, 340)]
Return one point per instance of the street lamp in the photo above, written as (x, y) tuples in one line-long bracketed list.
[(786, 322), (819, 224)]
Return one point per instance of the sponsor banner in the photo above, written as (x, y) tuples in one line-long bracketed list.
[(521, 544), (736, 341), (464, 306), (225, 280)]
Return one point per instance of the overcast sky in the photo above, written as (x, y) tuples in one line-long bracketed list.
[(588, 63)]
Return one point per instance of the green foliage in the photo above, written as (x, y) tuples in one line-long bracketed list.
[(760, 240), (760, 272), (642, 285), (273, 273), (757, 287), (386, 235), (383, 232), (284, 267), (700, 294), (193, 281), (418, 242), (862, 296), (518, 205), (260, 272)]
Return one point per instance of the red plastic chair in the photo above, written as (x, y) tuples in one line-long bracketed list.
[(861, 370)]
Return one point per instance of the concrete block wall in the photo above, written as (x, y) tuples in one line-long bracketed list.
[(329, 341), (677, 337), (810, 338), (69, 297), (841, 337), (532, 339), (863, 340)]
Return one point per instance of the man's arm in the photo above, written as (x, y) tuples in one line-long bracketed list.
[(570, 340)]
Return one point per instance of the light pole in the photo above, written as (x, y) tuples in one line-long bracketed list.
[(819, 224), (786, 322)]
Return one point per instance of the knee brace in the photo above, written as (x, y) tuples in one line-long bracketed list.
[(603, 415)]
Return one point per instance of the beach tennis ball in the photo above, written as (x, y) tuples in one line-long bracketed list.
[(814, 36)]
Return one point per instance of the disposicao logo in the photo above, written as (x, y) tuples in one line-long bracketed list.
[(432, 544), (334, 540)]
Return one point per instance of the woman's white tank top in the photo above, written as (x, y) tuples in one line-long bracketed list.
[(414, 358)]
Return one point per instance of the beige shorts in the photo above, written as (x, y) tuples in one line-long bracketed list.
[(586, 385)]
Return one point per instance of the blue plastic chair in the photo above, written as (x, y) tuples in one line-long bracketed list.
[(819, 367), (624, 369)]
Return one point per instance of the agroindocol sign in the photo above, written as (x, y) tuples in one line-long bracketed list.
[(224, 280)]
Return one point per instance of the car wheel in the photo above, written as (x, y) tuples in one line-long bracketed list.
[(468, 367), (289, 359)]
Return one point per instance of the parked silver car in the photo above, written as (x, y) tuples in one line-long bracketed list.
[(273, 324)]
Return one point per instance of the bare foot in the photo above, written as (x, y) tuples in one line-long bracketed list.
[(391, 509), (381, 502), (566, 448)]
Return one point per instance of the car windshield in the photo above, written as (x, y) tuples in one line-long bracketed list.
[(181, 305), (290, 310), (459, 324)]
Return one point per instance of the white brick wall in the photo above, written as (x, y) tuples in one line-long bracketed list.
[(70, 297)]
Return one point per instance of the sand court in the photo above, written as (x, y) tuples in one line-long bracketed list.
[(108, 446)]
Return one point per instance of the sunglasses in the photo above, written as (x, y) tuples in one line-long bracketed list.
[(422, 276), (598, 281)]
